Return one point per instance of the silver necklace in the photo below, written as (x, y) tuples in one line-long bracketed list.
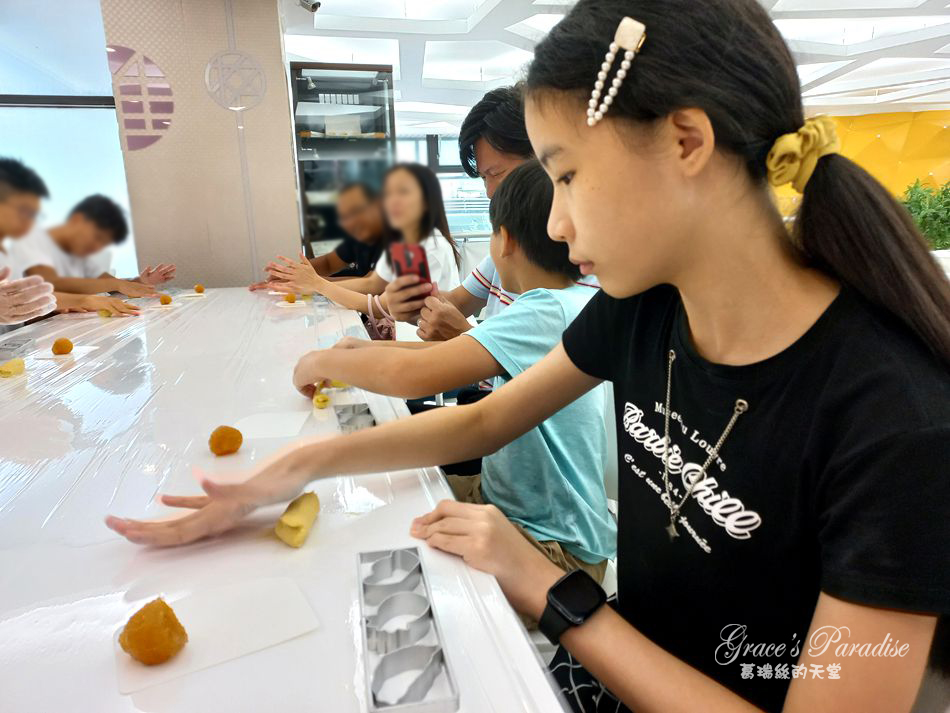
[(741, 407)]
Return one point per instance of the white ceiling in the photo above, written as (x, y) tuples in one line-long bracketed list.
[(855, 56)]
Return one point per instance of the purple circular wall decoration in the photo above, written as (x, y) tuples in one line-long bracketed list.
[(143, 96), (235, 80)]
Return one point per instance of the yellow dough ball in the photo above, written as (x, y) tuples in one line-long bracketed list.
[(339, 384), (62, 346), (165, 299), (290, 298), (225, 440), (153, 635), (199, 288), (321, 400), (295, 524), (14, 367), (104, 313)]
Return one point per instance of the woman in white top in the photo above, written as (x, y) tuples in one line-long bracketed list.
[(415, 214)]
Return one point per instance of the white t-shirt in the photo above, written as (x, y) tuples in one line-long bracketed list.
[(39, 249), (442, 268), (16, 272), (7, 259)]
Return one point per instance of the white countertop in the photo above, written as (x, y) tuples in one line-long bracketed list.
[(104, 431)]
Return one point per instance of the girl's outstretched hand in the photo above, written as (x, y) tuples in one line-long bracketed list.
[(157, 275), (297, 277), (487, 540), (222, 508)]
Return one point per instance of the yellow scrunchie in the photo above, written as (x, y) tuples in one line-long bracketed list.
[(794, 156)]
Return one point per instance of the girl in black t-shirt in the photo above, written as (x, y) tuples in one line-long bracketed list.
[(783, 400)]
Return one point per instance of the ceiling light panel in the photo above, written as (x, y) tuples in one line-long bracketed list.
[(835, 5), (431, 108), (343, 50), (856, 30), (474, 61), (403, 9), (884, 77), (886, 70), (813, 72), (536, 27)]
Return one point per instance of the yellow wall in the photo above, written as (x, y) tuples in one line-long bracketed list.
[(897, 149)]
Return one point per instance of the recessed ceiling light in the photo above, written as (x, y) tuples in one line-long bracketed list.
[(853, 31), (474, 61), (400, 9), (831, 5), (536, 27)]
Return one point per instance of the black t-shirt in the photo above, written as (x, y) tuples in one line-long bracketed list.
[(360, 257), (835, 479)]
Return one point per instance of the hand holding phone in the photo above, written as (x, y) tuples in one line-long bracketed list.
[(410, 260)]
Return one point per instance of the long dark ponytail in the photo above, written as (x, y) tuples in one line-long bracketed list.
[(851, 227), (727, 58)]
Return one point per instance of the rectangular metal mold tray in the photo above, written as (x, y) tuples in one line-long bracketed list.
[(435, 684)]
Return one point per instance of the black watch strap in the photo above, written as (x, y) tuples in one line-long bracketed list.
[(553, 624)]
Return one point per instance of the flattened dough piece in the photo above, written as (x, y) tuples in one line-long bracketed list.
[(294, 525), (14, 367)]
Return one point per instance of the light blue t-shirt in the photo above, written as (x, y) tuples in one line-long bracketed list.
[(484, 282), (550, 480)]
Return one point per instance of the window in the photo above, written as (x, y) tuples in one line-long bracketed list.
[(57, 113), (466, 205), (411, 151), (449, 151), (49, 48), (76, 151)]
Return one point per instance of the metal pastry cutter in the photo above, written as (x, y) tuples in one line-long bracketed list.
[(400, 604), (375, 586), (425, 659)]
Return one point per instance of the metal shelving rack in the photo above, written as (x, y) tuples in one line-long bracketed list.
[(345, 130)]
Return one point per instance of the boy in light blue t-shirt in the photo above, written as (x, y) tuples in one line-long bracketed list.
[(550, 481), (560, 496)]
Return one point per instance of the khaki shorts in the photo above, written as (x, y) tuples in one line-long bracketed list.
[(468, 489)]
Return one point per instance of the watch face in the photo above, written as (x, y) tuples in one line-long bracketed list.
[(577, 596)]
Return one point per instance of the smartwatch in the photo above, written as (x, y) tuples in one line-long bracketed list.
[(571, 601)]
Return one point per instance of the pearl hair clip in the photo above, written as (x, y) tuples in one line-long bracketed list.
[(629, 37)]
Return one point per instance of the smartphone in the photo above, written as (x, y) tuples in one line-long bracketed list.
[(409, 260)]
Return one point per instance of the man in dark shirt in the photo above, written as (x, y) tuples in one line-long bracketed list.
[(360, 214)]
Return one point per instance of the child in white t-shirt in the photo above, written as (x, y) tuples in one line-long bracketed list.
[(415, 214), (21, 191), (74, 256)]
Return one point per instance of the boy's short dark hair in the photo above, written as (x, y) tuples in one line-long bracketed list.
[(106, 214), (369, 192), (522, 205), (499, 119), (18, 178)]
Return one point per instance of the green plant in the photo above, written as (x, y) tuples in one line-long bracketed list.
[(930, 208)]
